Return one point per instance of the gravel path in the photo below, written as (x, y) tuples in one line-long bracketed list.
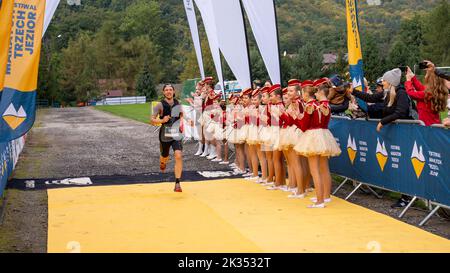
[(77, 142), (84, 142)]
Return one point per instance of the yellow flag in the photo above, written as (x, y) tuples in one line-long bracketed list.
[(355, 58), (5, 32), (18, 99)]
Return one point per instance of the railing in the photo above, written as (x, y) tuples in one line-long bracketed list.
[(405, 157), (123, 100)]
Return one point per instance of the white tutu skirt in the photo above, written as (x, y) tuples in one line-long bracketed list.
[(219, 132), (265, 134), (210, 127), (276, 138), (253, 134), (285, 135), (230, 134), (243, 133), (205, 119), (318, 142), (295, 135)]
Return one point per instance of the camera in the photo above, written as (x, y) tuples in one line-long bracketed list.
[(423, 65), (403, 69)]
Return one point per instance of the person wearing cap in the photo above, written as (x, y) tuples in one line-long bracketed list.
[(295, 113), (275, 111), (317, 143), (339, 97), (396, 102), (265, 130), (249, 158), (285, 141), (216, 128), (252, 136), (255, 119), (239, 135), (375, 110), (209, 94), (231, 126), (197, 102)]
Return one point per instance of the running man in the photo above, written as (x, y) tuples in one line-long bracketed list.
[(169, 114)]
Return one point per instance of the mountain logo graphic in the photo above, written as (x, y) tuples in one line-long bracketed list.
[(382, 154), (351, 149), (357, 82), (13, 117), (418, 160)]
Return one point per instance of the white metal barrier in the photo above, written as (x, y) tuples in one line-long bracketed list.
[(122, 100)]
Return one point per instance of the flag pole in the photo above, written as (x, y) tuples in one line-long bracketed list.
[(278, 40), (248, 48)]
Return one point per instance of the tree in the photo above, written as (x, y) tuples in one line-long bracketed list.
[(373, 62), (437, 31), (145, 85), (308, 62), (406, 47), (78, 74)]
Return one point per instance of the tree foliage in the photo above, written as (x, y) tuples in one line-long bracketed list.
[(129, 42)]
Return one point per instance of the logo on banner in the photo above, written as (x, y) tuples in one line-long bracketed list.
[(418, 160), (13, 117), (351, 148), (382, 154)]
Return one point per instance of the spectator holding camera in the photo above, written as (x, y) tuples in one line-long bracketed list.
[(431, 98), (396, 102)]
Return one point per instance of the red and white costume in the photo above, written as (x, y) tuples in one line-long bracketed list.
[(317, 140)]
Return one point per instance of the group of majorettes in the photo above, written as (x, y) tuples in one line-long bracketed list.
[(278, 131)]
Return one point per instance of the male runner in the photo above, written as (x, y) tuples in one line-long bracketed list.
[(169, 113)]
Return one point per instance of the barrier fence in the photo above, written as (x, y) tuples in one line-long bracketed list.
[(405, 157), (9, 155), (122, 100)]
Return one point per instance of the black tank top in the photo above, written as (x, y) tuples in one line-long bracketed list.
[(169, 110)]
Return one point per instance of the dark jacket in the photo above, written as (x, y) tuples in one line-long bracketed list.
[(400, 109), (340, 108)]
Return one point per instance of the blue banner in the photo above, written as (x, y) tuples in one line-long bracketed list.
[(404, 158), (9, 155), (355, 57)]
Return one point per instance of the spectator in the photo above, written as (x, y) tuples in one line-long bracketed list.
[(339, 96), (375, 110), (395, 99), (440, 73), (431, 99), (446, 121)]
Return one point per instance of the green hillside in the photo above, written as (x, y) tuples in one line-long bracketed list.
[(113, 39)]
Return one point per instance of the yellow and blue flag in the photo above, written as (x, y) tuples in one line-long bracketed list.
[(6, 10), (18, 101), (355, 58)]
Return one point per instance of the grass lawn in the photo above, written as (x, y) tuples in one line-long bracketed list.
[(139, 112)]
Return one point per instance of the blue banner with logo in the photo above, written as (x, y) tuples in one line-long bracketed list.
[(9, 155), (405, 158), (355, 57)]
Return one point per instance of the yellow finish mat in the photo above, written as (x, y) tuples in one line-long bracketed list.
[(220, 216)]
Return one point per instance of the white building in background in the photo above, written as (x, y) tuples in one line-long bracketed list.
[(374, 2), (74, 2)]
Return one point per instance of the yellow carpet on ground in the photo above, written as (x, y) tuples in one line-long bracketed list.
[(220, 216)]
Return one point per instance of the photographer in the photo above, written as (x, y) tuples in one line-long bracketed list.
[(395, 99), (431, 99)]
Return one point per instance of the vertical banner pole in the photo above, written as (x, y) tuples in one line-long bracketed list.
[(355, 58)]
